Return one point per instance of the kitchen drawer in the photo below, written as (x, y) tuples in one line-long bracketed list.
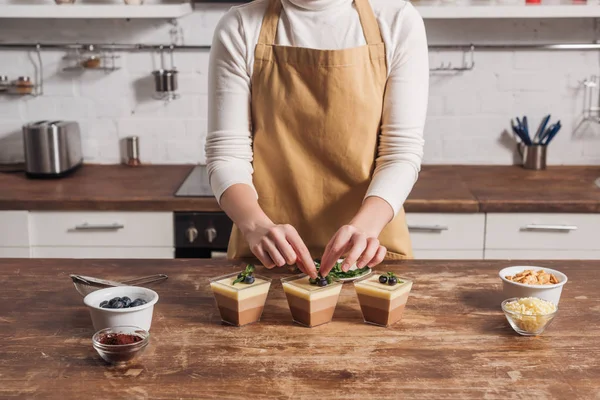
[(14, 252), (446, 231), (448, 254), (14, 229), (542, 255), (542, 231), (102, 252), (98, 229)]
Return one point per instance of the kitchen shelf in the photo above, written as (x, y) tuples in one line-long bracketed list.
[(509, 11), (116, 11)]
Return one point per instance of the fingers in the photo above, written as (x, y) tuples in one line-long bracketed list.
[(262, 256), (303, 258), (273, 251), (359, 245), (379, 257), (369, 253), (335, 248), (278, 236), (282, 245)]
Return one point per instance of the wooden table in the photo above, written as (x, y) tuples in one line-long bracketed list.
[(453, 341)]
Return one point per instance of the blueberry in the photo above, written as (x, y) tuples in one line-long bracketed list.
[(135, 303), (322, 282), (392, 281), (118, 304), (383, 279), (126, 301), (249, 279), (104, 304), (113, 301)]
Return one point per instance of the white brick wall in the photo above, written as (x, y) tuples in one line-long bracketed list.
[(469, 112)]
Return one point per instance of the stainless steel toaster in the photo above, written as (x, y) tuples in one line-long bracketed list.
[(52, 148)]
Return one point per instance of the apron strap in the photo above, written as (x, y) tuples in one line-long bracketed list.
[(368, 22), (268, 30)]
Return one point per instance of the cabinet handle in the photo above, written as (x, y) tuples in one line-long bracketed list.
[(428, 228), (551, 228), (88, 227)]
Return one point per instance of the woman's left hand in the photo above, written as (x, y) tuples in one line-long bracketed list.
[(360, 247)]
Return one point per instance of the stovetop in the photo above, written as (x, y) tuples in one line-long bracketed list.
[(196, 184)]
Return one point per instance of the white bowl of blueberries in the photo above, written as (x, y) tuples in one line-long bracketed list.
[(121, 305)]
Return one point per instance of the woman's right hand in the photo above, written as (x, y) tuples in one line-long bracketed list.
[(278, 245)]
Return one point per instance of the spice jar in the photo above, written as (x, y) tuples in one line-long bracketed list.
[(91, 58), (23, 85), (91, 62), (4, 84)]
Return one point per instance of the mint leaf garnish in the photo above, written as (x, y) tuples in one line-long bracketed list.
[(248, 271)]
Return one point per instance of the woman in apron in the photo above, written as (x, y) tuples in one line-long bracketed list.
[(315, 138)]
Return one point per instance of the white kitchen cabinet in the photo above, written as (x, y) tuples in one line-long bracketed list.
[(443, 235), (542, 255), (102, 252), (102, 229), (14, 234), (101, 234), (550, 232), (14, 229), (448, 254), (14, 252)]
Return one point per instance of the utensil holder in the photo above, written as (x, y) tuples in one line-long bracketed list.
[(534, 157)]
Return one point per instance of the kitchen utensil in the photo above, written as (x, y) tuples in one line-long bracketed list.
[(545, 292), (165, 80), (4, 84), (534, 156), (523, 134), (124, 353), (87, 284), (519, 133), (52, 148), (133, 151), (552, 133), (526, 127), (135, 316), (541, 129)]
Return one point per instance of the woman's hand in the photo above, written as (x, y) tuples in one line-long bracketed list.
[(360, 248), (278, 245), (358, 240)]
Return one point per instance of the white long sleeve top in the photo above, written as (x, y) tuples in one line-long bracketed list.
[(320, 24)]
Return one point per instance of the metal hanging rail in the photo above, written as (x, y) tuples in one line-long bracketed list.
[(156, 47)]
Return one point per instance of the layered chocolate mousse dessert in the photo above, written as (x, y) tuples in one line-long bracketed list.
[(312, 302), (382, 297), (240, 298)]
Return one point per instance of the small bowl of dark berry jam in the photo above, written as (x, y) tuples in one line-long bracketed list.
[(120, 344)]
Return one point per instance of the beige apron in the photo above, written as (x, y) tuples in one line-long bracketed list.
[(316, 117)]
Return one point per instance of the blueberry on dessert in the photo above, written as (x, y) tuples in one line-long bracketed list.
[(246, 276)]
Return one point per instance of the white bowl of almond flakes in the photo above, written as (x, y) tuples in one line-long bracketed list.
[(529, 281)]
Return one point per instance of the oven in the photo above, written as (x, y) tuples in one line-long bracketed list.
[(201, 234)]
